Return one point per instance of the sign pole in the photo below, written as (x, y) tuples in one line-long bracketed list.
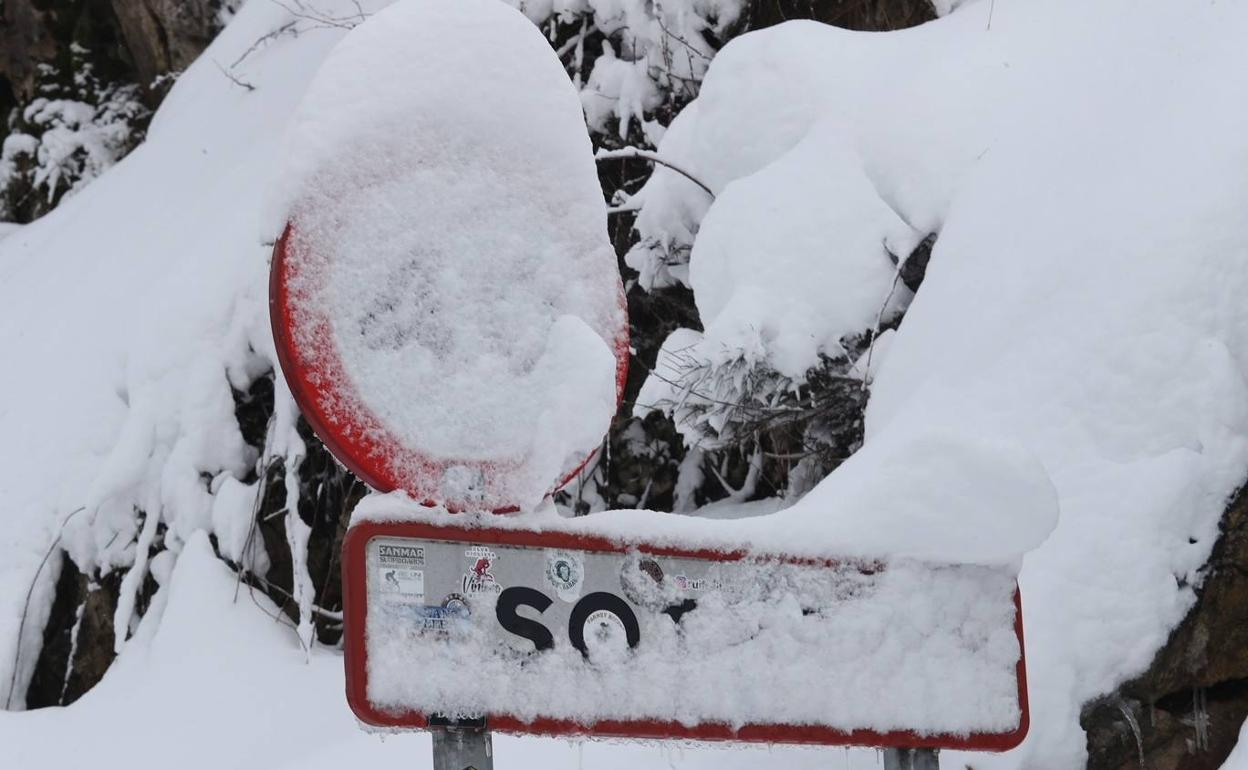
[(911, 759), (461, 744)]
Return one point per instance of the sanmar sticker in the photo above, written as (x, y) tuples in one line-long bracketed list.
[(401, 555), (565, 572)]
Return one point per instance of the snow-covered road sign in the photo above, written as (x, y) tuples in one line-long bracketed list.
[(574, 633), (446, 303)]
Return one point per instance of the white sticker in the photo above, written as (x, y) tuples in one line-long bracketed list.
[(565, 572), (606, 638), (401, 555), (401, 583), (480, 579)]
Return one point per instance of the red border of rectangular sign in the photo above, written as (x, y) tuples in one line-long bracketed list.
[(354, 582)]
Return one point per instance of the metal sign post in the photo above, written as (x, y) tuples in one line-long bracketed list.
[(461, 745), (911, 759)]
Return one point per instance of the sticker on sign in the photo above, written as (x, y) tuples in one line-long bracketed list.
[(580, 634)]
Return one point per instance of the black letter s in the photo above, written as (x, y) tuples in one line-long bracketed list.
[(511, 599)]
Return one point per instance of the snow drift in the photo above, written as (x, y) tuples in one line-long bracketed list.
[(1083, 310), (1083, 301)]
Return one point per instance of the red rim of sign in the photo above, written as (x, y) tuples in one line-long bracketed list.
[(362, 442), (355, 616)]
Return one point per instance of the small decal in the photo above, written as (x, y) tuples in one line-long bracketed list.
[(605, 636), (604, 622), (439, 620), (686, 583), (565, 572), (479, 579), (402, 555), (652, 568), (401, 584), (642, 580)]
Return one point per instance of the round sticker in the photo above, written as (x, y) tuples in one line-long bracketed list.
[(327, 395), (565, 572), (606, 637)]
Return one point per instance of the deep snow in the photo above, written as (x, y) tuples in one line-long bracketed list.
[(1083, 309)]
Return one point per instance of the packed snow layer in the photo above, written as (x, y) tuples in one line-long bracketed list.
[(1005, 503), (211, 681), (1083, 304), (448, 229)]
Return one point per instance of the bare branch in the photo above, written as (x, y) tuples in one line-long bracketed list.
[(234, 78), (653, 157)]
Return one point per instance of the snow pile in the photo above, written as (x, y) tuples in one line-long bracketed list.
[(1083, 303), (448, 228), (818, 271), (131, 311)]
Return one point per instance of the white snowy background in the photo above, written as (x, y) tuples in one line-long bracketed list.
[(1082, 320)]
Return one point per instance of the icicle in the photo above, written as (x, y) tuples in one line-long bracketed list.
[(1129, 715), (133, 581), (1200, 718), (73, 644), (287, 442), (297, 533), (689, 477)]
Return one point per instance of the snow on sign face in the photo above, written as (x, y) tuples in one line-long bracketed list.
[(581, 634), (444, 297)]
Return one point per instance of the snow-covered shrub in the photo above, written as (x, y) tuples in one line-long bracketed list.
[(640, 67), (75, 129), (630, 58)]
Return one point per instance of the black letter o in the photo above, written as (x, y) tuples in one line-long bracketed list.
[(590, 604)]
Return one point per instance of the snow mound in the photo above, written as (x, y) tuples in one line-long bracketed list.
[(1083, 302), (448, 256), (937, 496), (788, 262)]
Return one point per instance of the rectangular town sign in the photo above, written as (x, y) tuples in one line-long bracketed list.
[(562, 633)]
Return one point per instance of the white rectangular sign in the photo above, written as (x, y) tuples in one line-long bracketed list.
[(559, 633)]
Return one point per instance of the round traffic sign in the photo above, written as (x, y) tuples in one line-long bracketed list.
[(352, 421), (445, 301)]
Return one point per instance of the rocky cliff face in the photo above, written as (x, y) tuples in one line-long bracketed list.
[(133, 40), (78, 82), (1186, 711), (163, 36)]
